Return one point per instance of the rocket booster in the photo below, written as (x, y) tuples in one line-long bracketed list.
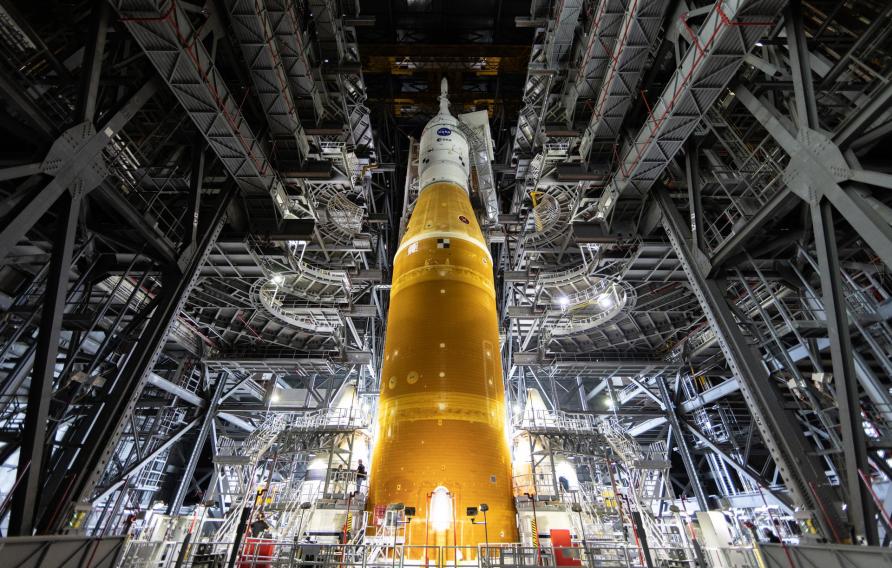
[(441, 444)]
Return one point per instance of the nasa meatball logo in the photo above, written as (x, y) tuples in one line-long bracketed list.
[(443, 132), (463, 219)]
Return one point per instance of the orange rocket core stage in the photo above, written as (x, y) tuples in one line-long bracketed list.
[(441, 412)]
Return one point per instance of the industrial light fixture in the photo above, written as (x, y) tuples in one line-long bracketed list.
[(564, 301), (610, 404), (605, 300), (278, 278)]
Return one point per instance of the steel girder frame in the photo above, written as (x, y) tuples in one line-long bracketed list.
[(294, 51), (861, 509), (254, 30), (631, 52), (742, 469), (337, 42), (818, 168), (597, 54), (561, 36), (75, 160), (144, 461), (163, 30), (345, 97), (793, 455), (100, 432), (544, 67), (728, 34), (683, 449)]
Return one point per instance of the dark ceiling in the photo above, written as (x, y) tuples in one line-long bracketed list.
[(477, 45)]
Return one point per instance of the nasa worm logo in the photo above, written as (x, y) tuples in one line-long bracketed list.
[(443, 132), (463, 219)]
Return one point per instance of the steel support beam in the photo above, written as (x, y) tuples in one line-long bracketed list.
[(111, 197), (253, 27), (80, 148), (34, 440), (92, 66), (294, 51), (817, 168), (792, 453), (14, 94), (695, 197), (683, 449), (777, 206), (742, 469), (875, 230), (145, 460), (196, 185), (14, 172), (727, 35), (639, 31), (803, 88), (596, 55), (189, 470), (861, 511)]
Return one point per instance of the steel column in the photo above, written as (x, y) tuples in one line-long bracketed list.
[(860, 510), (92, 67), (803, 88), (196, 184), (692, 173), (33, 448)]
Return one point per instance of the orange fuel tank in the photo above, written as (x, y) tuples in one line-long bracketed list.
[(441, 443)]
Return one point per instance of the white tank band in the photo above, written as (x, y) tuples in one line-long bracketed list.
[(445, 235)]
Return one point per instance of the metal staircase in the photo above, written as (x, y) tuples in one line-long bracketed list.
[(389, 538), (236, 465), (647, 472)]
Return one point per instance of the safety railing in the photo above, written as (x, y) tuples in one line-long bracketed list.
[(150, 196), (565, 277), (746, 186), (268, 553), (314, 319), (540, 484), (558, 422), (344, 418)]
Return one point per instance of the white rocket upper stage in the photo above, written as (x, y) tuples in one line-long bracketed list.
[(443, 155)]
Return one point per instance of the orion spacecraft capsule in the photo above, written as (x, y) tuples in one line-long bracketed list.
[(441, 444)]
